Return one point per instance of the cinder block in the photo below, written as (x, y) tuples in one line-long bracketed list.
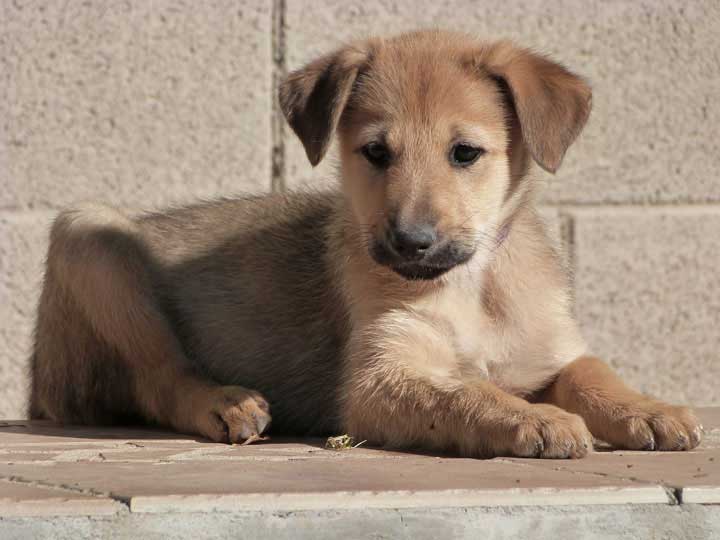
[(135, 103), (23, 244), (653, 133), (648, 297), (299, 174)]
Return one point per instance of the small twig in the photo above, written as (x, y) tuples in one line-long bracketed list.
[(341, 442), (253, 438)]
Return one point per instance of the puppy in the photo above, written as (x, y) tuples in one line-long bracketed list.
[(420, 305)]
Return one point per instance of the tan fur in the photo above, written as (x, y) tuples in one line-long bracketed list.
[(173, 317), (619, 415)]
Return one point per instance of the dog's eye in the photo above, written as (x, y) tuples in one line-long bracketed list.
[(377, 153), (463, 155)]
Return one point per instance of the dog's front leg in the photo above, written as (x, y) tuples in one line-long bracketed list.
[(618, 415), (399, 391)]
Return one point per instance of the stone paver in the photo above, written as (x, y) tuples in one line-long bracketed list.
[(18, 498), (695, 475), (334, 483), (79, 482), (47, 470)]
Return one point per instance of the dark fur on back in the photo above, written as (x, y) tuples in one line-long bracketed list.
[(248, 295), (255, 307)]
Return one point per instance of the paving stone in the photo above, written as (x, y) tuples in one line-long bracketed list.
[(161, 472), (655, 127), (599, 522), (154, 471), (647, 295), (701, 495), (24, 499), (31, 448), (39, 433), (332, 483), (135, 103), (696, 473), (677, 470)]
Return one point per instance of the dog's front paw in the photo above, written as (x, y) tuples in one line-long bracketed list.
[(231, 414), (546, 431), (653, 425)]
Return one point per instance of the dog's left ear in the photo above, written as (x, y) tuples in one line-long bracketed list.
[(551, 103), (314, 97)]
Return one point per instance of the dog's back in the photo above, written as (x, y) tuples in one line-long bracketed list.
[(246, 288)]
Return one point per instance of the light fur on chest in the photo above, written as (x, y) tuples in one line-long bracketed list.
[(449, 337)]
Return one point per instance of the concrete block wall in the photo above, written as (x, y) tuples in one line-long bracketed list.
[(144, 104)]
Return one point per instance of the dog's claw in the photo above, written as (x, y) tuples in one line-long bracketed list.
[(682, 441), (696, 435), (650, 446)]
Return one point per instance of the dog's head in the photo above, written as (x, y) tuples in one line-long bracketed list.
[(436, 131)]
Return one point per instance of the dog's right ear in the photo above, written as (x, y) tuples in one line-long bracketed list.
[(314, 97), (551, 103)]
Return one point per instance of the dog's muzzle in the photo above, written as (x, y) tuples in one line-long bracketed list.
[(418, 252)]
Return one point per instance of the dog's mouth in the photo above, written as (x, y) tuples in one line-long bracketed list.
[(432, 265), (420, 272)]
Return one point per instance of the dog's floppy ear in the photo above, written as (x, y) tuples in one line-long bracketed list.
[(313, 98), (552, 104)]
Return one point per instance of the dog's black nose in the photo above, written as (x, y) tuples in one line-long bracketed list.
[(411, 242)]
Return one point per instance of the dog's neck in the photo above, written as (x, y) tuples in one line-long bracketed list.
[(371, 288)]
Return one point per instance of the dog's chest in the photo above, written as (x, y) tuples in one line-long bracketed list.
[(485, 347), (470, 329), (465, 324)]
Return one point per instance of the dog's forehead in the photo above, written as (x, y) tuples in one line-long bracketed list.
[(421, 80)]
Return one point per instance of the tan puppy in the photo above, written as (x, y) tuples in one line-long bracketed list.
[(419, 306)]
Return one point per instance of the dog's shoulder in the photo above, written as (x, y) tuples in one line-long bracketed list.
[(273, 218)]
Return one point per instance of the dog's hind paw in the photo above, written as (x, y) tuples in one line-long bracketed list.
[(232, 414)]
